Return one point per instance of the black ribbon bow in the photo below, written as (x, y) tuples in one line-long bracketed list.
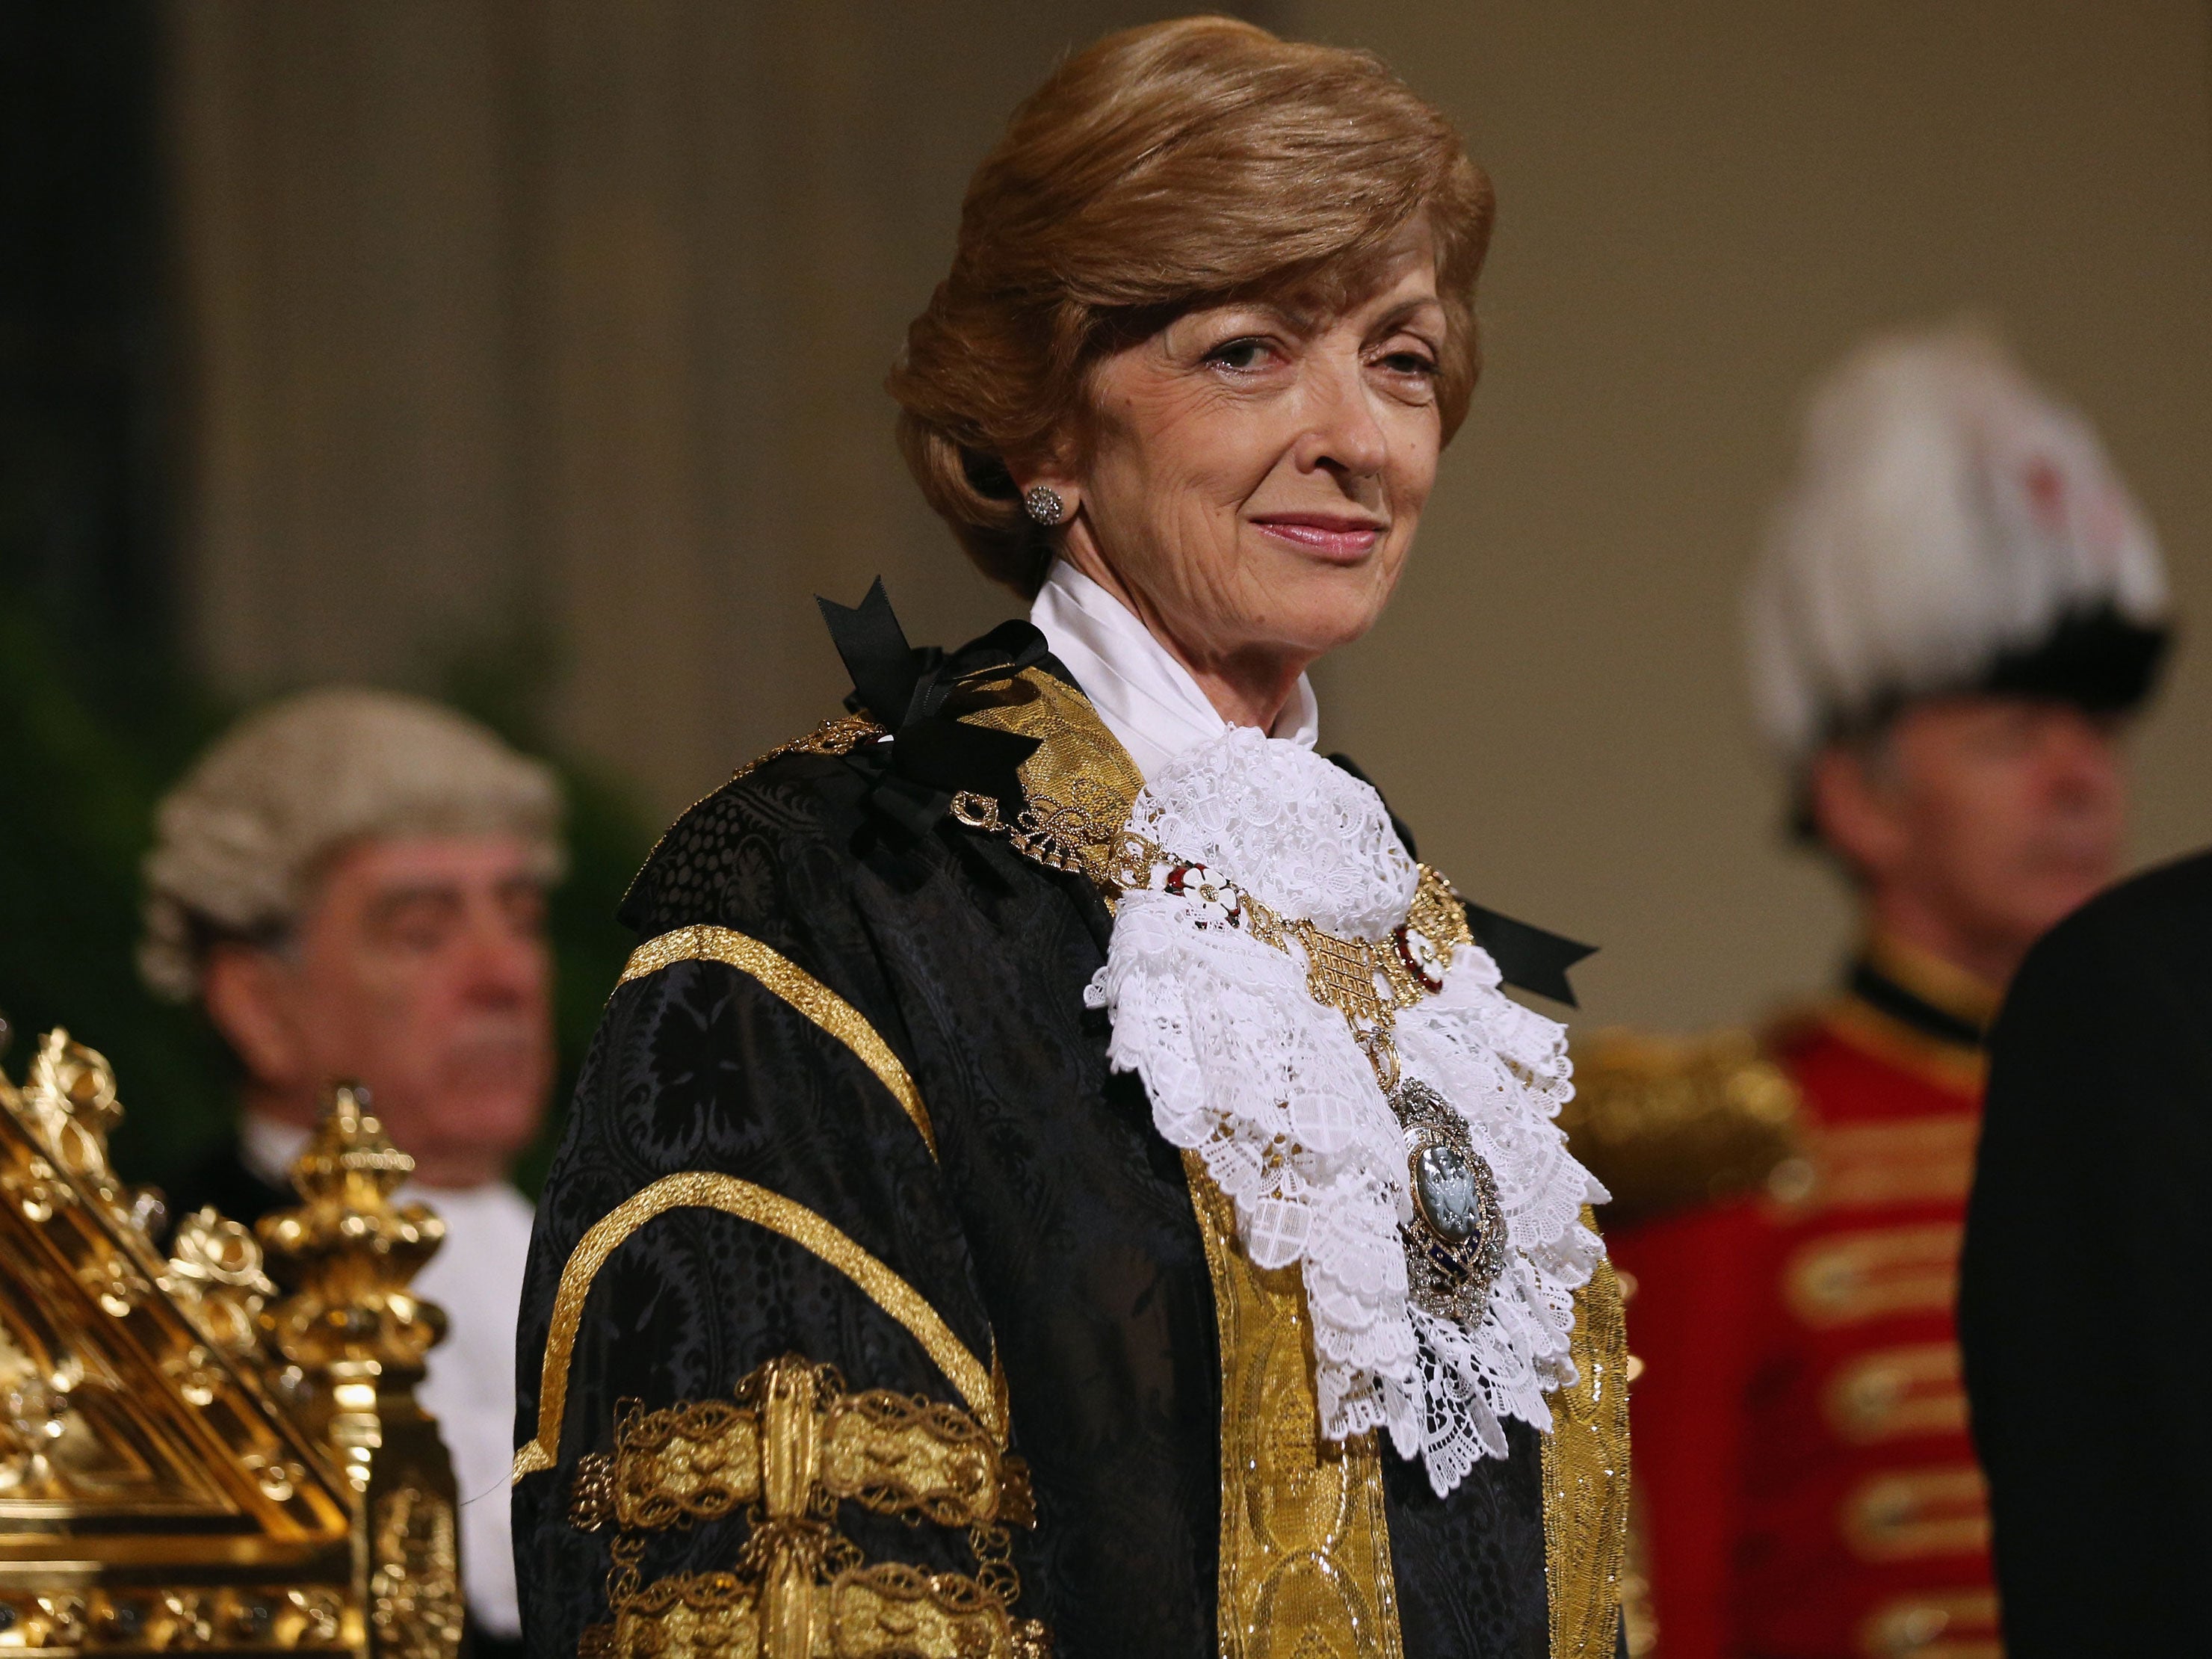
[(932, 755), (1528, 957)]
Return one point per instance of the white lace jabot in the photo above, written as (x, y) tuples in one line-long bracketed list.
[(1245, 1067), (1147, 699), (1267, 1085)]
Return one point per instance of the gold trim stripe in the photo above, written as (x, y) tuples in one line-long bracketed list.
[(982, 1387), (1586, 1475), (806, 994), (1305, 1561)]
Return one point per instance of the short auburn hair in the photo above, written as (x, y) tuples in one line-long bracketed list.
[(1162, 169)]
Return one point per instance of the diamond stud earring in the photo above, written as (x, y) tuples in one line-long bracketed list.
[(1044, 504)]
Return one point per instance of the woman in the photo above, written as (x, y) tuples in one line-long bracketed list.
[(1057, 1176)]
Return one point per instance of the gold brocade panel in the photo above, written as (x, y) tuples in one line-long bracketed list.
[(785, 1451), (1586, 1477), (1305, 1544)]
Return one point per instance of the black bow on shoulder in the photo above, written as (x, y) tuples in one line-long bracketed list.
[(932, 755)]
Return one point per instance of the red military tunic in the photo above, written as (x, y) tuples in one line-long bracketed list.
[(1805, 1483)]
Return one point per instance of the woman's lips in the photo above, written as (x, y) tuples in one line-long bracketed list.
[(1332, 538)]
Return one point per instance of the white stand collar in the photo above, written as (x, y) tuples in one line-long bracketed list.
[(1148, 700)]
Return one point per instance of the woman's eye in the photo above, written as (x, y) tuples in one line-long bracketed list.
[(1238, 354), (1409, 362)]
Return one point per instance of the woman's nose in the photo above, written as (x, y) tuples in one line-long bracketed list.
[(1345, 435)]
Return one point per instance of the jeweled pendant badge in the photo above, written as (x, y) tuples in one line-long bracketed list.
[(1455, 1243)]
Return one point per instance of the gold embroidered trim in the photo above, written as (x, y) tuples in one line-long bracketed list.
[(1894, 1392), (1586, 1492), (790, 1445), (896, 1454), (1077, 785), (1922, 1160), (806, 995), (1909, 1514), (1305, 1540), (981, 1387), (1959, 1623), (1845, 1277), (890, 1609), (841, 736)]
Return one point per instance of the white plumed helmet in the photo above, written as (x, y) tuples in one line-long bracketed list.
[(1950, 528)]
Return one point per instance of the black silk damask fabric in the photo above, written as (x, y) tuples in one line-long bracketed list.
[(1054, 1223)]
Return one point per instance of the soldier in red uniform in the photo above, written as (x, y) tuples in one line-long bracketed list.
[(1958, 606)]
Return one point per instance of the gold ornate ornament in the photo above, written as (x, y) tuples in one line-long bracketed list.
[(196, 1453), (1455, 1243)]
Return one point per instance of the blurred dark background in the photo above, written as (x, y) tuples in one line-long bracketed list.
[(101, 707), (529, 353)]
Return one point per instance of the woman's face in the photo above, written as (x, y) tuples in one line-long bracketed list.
[(1255, 472)]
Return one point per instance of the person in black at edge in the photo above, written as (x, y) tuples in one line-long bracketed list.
[(1057, 1175), (2083, 1301)]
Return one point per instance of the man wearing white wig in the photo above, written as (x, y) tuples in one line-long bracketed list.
[(1957, 607), (352, 884)]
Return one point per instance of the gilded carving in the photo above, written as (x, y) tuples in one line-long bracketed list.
[(414, 1586), (176, 1410), (215, 1275)]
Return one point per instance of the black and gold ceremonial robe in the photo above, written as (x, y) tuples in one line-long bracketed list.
[(869, 1314)]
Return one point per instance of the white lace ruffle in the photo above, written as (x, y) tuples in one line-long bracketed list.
[(1245, 1067)]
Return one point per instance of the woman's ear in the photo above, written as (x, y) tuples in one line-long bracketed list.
[(250, 993)]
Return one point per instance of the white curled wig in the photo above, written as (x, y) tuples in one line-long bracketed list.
[(239, 840)]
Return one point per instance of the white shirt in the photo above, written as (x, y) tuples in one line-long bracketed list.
[(469, 1381), (1148, 700)]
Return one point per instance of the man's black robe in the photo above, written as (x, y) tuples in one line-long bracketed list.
[(1054, 1221), (2084, 1302)]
